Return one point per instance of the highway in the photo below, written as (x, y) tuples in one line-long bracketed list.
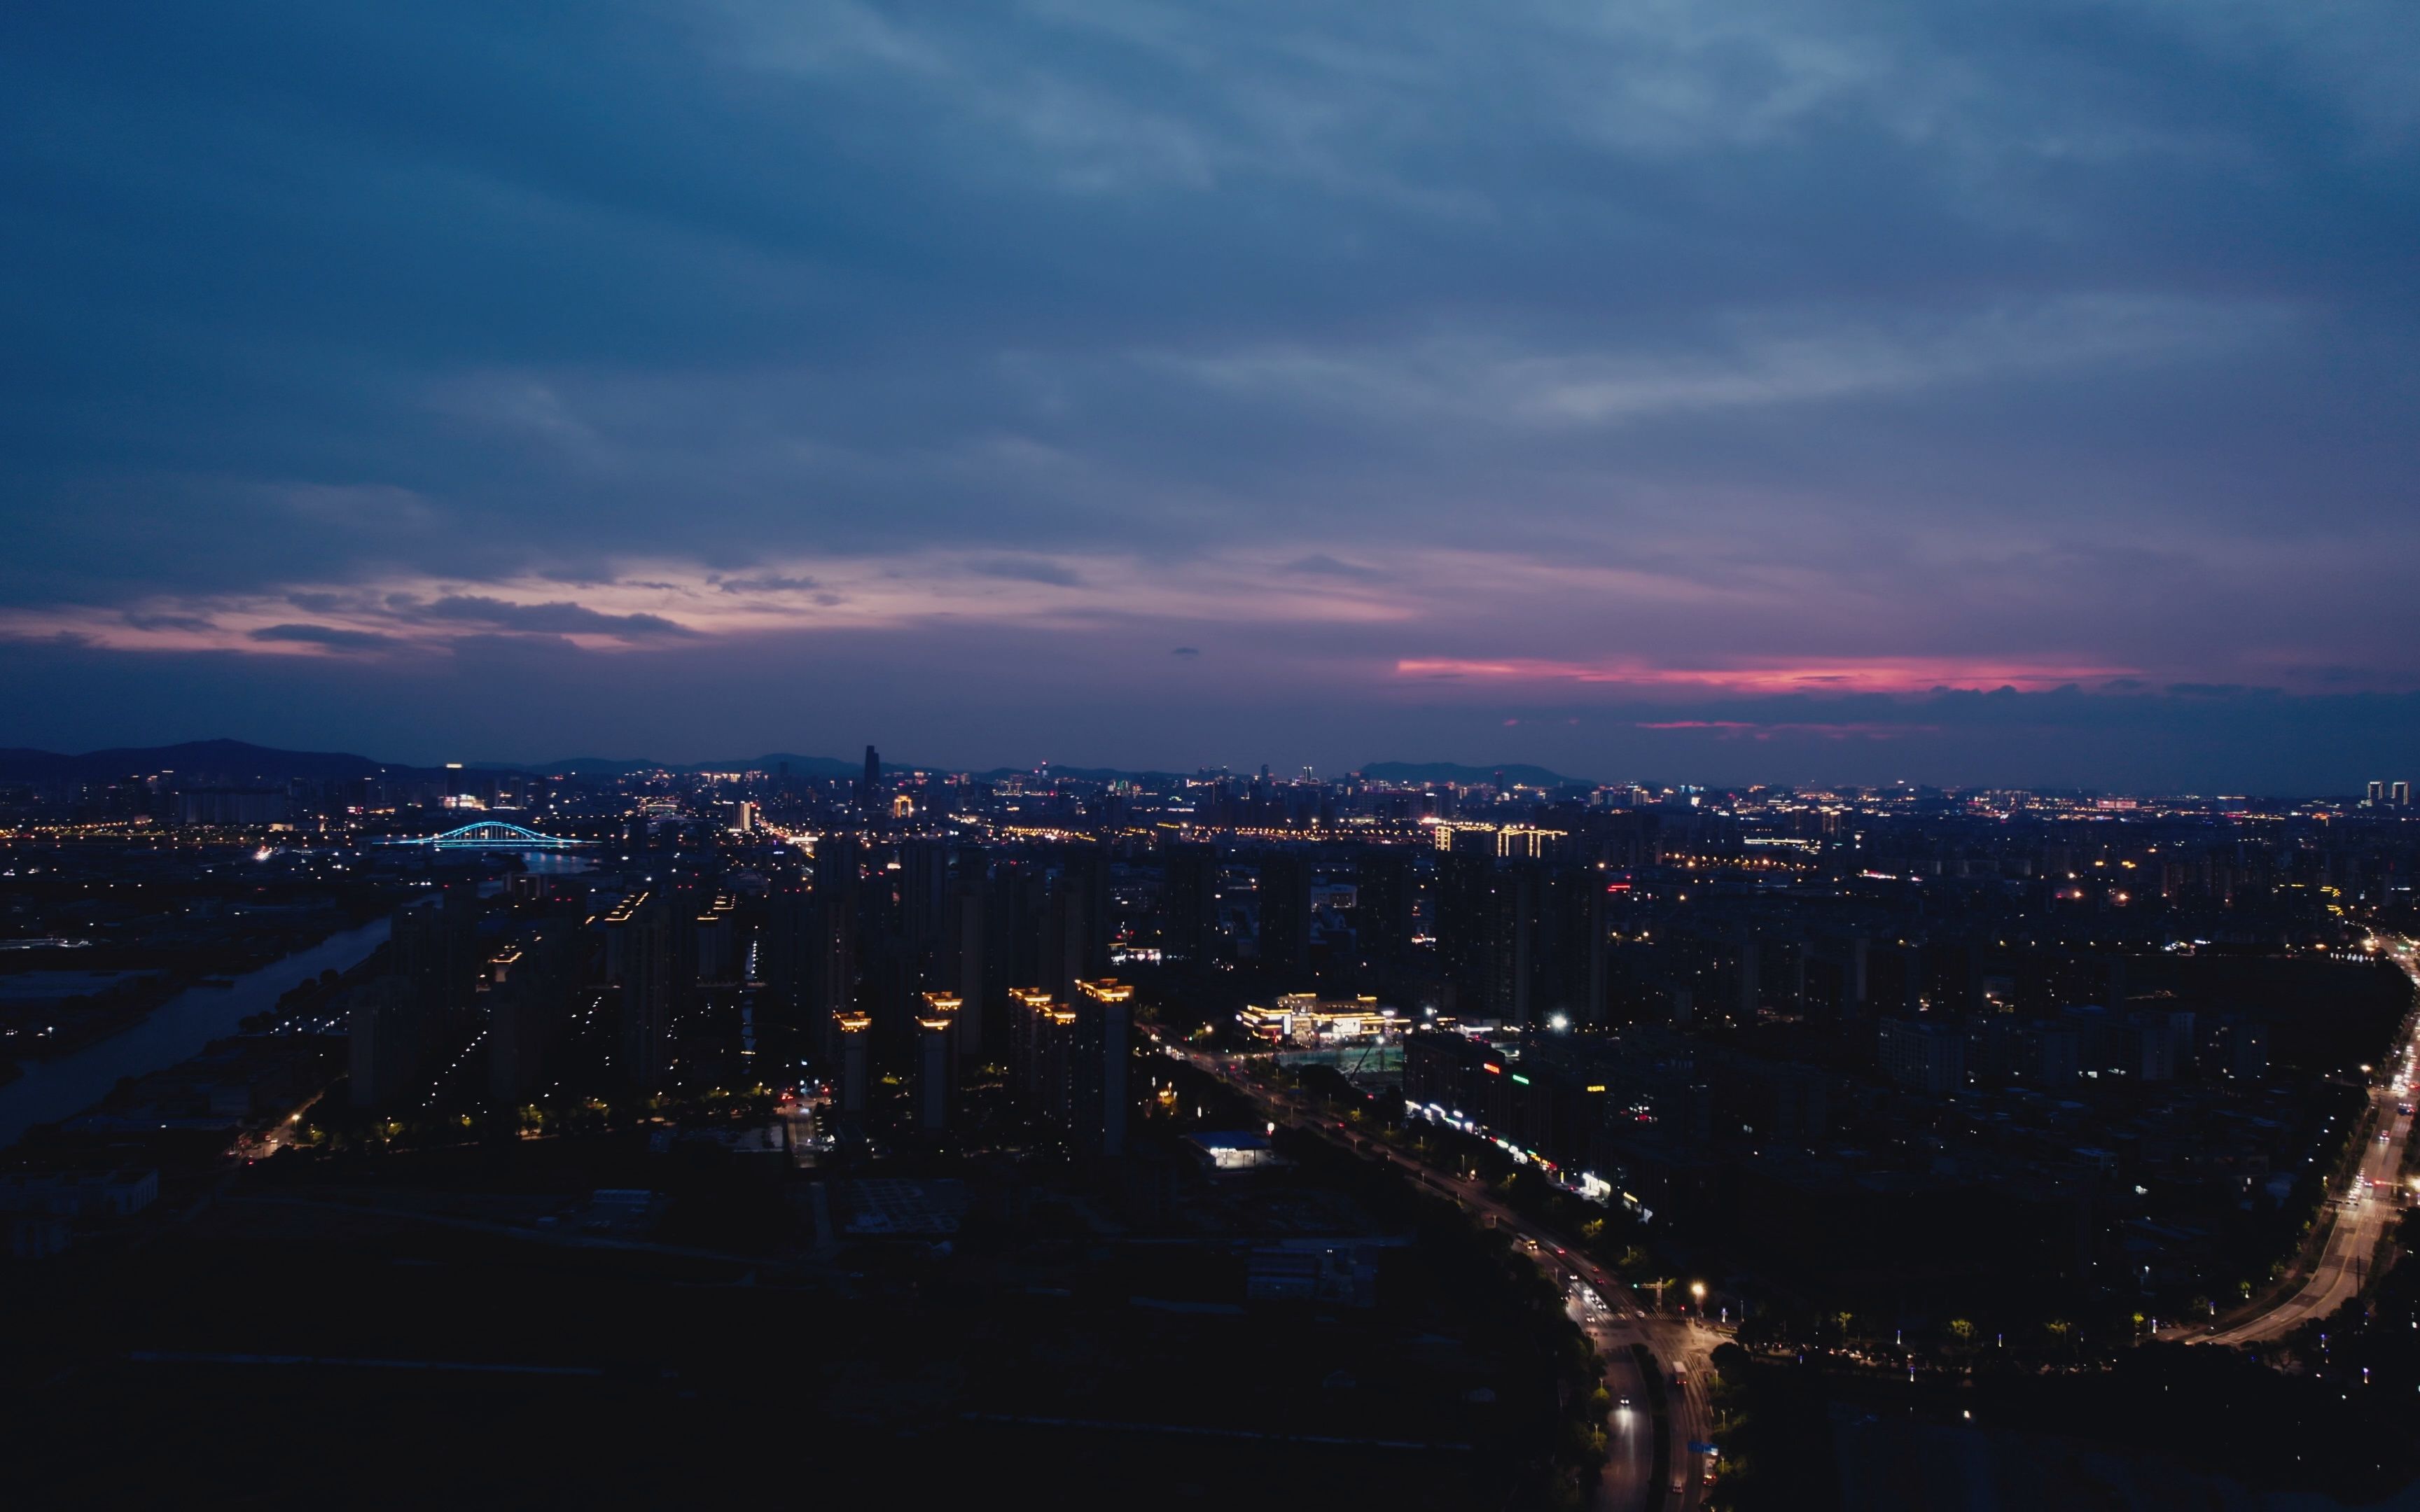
[(797, 1115), (1630, 1431), (2371, 1206), (1605, 1310), (1630, 1437)]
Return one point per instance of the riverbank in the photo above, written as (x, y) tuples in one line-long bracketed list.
[(57, 1089)]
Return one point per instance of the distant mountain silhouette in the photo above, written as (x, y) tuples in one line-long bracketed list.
[(235, 762), (1081, 774), (1536, 777), (241, 764), (611, 766)]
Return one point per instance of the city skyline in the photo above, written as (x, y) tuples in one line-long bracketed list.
[(1711, 1129), (1796, 396), (1603, 755), (222, 761)]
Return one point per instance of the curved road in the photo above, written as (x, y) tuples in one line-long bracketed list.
[(1612, 1318), (2365, 1211)]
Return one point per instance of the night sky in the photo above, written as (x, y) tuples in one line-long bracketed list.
[(2021, 394)]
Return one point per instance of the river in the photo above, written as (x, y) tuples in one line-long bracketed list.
[(174, 1031)]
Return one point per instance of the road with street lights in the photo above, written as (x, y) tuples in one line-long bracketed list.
[(2370, 1205), (1605, 1310)]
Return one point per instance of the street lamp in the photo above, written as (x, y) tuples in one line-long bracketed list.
[(1698, 1291)]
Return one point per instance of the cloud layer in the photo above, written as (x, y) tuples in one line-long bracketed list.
[(1674, 372)]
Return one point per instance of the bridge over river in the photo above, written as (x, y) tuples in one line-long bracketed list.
[(489, 835)]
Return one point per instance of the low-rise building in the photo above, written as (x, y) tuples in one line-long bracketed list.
[(1308, 1019)]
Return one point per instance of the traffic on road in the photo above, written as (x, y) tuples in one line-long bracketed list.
[(1665, 1421)]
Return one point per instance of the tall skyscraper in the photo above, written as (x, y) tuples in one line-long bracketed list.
[(923, 896), (964, 968), (1076, 942), (788, 953), (937, 1061), (1384, 886), (1189, 902), (1467, 928), (387, 1032), (1042, 1054), (645, 927), (1518, 903), (1565, 926), (529, 1006), (435, 950), (716, 949), (869, 787), (1097, 1118), (1285, 909), (1015, 911), (855, 1032), (832, 989)]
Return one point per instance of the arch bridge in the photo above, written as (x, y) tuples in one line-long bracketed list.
[(492, 834)]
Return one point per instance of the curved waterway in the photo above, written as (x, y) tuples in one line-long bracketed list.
[(174, 1031)]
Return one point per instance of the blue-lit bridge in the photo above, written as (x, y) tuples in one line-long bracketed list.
[(489, 835)]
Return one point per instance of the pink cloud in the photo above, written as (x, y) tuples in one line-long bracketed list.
[(1901, 674), (1735, 729)]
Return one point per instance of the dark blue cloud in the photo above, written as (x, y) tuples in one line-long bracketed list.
[(1027, 569), (1320, 565), (2078, 337), (558, 618), (765, 583), (169, 622), (321, 635)]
